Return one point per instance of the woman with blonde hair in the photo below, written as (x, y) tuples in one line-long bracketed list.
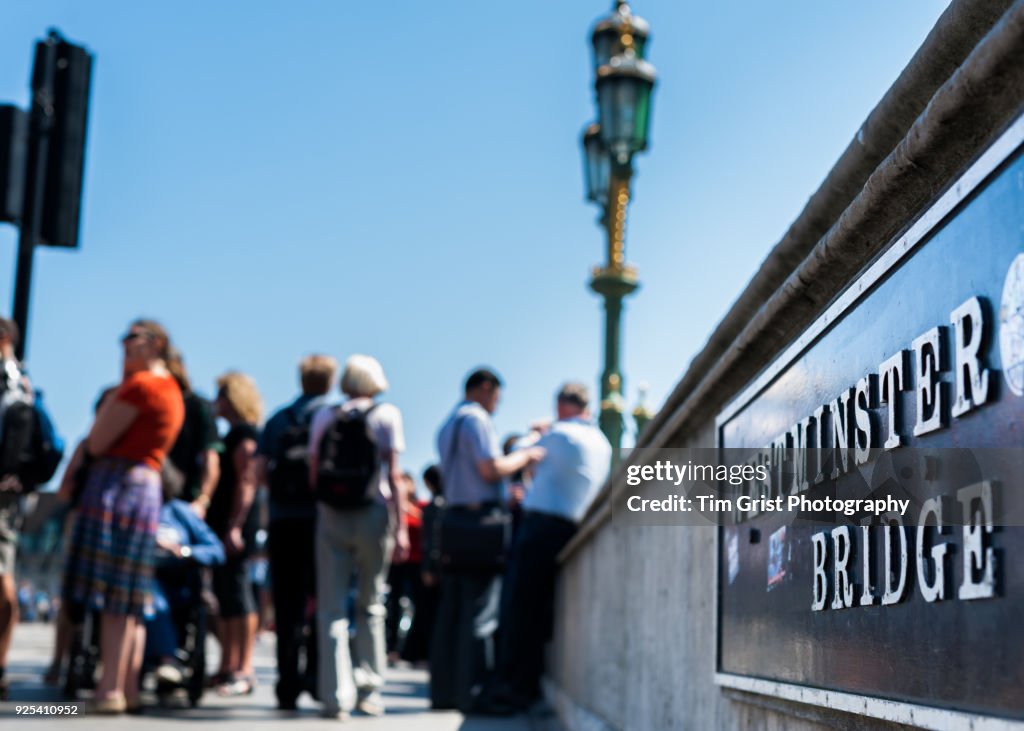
[(238, 402), (359, 523), (110, 563)]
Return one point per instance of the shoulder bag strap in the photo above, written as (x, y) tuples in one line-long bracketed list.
[(453, 448)]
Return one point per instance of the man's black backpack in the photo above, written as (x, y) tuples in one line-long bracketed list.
[(31, 439), (348, 461), (289, 473)]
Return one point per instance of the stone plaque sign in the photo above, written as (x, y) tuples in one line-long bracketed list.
[(900, 617)]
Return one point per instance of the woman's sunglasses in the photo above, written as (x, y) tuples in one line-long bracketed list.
[(129, 337)]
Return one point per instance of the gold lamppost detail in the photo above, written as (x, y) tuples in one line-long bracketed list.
[(623, 84), (641, 414)]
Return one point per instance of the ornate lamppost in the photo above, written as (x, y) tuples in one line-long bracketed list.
[(623, 83)]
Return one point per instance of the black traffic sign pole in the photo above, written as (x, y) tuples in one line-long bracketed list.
[(40, 123)]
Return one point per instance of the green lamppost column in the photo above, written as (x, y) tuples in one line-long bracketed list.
[(613, 285), (623, 85), (614, 282)]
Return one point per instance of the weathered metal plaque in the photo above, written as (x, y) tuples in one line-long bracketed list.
[(925, 350)]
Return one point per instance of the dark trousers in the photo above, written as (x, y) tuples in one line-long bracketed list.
[(417, 642), (527, 608), (402, 581), (293, 588), (462, 651)]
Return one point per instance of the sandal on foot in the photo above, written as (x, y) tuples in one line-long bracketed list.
[(111, 706), (237, 686), (219, 678)]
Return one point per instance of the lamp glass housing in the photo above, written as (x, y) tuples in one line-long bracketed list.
[(624, 108), (596, 166), (640, 45), (606, 45)]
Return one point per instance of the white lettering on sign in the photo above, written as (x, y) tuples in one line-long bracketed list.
[(971, 377), (935, 589), (800, 444), (850, 422), (890, 375), (867, 597), (834, 552), (820, 440), (820, 577), (864, 401), (843, 587), (979, 560), (842, 433), (927, 364), (895, 564)]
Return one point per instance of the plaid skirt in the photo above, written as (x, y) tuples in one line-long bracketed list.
[(110, 561)]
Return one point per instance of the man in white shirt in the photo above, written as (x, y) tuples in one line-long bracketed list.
[(576, 463)]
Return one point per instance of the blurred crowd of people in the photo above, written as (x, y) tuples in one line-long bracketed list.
[(163, 517), (36, 605)]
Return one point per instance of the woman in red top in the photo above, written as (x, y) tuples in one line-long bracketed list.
[(404, 576), (110, 564)]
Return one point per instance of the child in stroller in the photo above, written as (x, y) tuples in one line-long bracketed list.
[(176, 633)]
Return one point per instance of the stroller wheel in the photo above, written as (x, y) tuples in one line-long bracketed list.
[(195, 690), (84, 657), (197, 660)]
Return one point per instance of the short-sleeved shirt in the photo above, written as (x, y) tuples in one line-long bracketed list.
[(218, 515), (161, 414), (278, 423), (383, 425), (577, 458), (467, 438), (414, 523), (197, 437)]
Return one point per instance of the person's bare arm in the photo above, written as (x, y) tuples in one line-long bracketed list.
[(67, 481), (211, 476), (112, 421), (496, 468), (262, 473), (397, 503), (244, 458)]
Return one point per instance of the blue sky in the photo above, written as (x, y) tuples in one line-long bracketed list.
[(404, 179)]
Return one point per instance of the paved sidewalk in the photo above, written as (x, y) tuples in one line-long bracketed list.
[(405, 695)]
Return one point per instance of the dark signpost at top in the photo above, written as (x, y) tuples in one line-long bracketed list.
[(65, 160), (42, 160)]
